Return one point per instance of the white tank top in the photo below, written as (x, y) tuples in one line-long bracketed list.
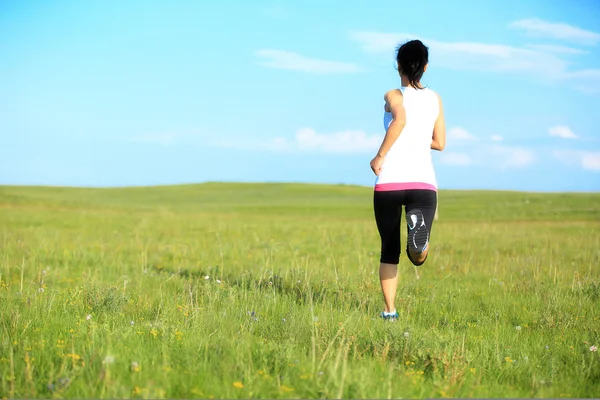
[(408, 164)]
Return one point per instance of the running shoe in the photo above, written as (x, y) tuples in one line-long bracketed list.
[(389, 316), (418, 236)]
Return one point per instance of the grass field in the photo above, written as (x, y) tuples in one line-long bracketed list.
[(271, 290)]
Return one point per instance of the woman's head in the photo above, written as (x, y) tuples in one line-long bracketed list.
[(412, 58)]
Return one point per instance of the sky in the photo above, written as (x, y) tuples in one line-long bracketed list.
[(120, 93)]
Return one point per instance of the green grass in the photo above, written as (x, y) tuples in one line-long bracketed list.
[(271, 290)]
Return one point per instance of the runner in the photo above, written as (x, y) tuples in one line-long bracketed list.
[(414, 123)]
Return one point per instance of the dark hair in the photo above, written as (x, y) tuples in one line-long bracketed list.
[(412, 57)]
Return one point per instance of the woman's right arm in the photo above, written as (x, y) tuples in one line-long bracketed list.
[(438, 141)]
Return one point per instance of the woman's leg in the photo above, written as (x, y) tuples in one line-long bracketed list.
[(420, 212), (388, 214), (388, 277)]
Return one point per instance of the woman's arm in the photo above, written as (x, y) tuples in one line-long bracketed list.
[(393, 103), (438, 141)]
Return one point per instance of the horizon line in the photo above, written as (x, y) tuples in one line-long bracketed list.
[(226, 182)]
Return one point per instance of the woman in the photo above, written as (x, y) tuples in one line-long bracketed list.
[(414, 123)]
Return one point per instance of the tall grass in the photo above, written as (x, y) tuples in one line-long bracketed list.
[(227, 291)]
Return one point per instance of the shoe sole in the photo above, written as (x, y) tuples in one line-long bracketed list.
[(418, 235)]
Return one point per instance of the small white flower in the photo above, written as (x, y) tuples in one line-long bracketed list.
[(593, 348), (218, 281), (406, 334), (109, 359), (44, 271), (206, 277), (41, 290), (131, 323), (89, 316), (518, 327)]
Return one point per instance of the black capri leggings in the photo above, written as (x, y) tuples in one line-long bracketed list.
[(388, 216)]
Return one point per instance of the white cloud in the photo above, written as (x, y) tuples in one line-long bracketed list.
[(460, 134), (554, 30), (509, 157), (586, 80), (308, 140), (293, 61), (458, 159), (591, 161), (484, 153), (489, 156), (585, 160), (562, 131), (558, 49), (539, 63), (350, 141), (465, 55)]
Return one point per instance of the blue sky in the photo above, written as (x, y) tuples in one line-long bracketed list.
[(112, 93)]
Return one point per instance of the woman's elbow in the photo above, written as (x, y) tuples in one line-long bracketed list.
[(436, 145), (399, 123)]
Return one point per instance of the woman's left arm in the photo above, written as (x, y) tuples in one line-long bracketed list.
[(395, 104)]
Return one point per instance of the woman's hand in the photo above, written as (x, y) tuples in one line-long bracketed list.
[(376, 164)]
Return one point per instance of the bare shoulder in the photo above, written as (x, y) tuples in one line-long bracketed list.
[(392, 95), (392, 98)]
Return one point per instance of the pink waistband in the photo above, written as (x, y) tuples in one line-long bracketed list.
[(384, 187)]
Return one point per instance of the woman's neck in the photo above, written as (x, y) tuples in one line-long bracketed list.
[(405, 83)]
